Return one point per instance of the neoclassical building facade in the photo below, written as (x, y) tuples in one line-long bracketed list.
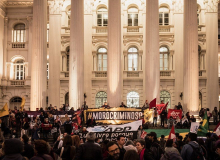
[(67, 51)]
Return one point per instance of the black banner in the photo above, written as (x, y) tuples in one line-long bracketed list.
[(114, 114)]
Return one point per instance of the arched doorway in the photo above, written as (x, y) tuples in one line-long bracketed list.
[(15, 102)]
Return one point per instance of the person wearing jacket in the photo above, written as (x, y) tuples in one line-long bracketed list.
[(187, 150), (28, 149), (89, 150)]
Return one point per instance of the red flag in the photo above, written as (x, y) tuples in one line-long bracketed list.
[(165, 107), (172, 133), (160, 108), (152, 103)]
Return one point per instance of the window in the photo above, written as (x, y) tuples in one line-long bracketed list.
[(100, 99), (102, 59), (19, 70), (47, 33), (164, 58), (15, 102), (67, 98), (18, 33), (132, 99), (132, 16), (67, 58), (47, 70), (165, 97), (163, 16), (102, 17), (200, 58), (132, 59), (198, 13), (69, 14), (200, 100)]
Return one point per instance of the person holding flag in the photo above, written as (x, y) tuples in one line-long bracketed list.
[(203, 129)]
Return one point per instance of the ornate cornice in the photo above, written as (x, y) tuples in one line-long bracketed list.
[(211, 5), (177, 6), (55, 7), (18, 4)]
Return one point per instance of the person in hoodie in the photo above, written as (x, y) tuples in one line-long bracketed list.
[(171, 152), (187, 150)]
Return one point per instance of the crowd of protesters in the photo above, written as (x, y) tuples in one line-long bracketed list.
[(69, 147), (28, 139)]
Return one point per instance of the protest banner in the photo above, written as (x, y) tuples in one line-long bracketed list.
[(174, 113)]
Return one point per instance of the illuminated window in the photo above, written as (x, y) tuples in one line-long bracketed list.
[(19, 70), (18, 33), (132, 59), (163, 16), (132, 16), (164, 58), (102, 59), (133, 99), (100, 99), (102, 17)]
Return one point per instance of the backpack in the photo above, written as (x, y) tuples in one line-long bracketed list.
[(196, 155)]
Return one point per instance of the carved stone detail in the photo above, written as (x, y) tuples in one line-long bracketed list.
[(211, 5), (55, 7), (177, 6), (88, 7), (6, 21)]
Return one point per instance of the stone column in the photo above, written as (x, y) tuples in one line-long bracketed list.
[(152, 61), (178, 45), (30, 32), (76, 57), (114, 75), (2, 15), (54, 52), (212, 84), (5, 48), (190, 57), (39, 55)]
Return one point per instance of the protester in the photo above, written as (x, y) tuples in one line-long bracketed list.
[(89, 150), (192, 149), (28, 149), (42, 151), (67, 151), (140, 145), (121, 142), (12, 149), (171, 152), (131, 155), (215, 115), (155, 148), (114, 151)]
